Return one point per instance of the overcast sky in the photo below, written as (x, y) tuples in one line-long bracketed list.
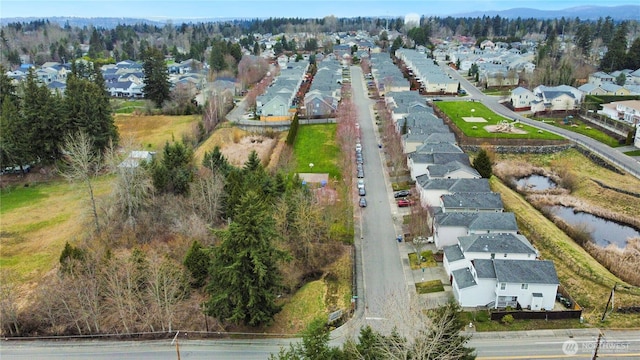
[(194, 9)]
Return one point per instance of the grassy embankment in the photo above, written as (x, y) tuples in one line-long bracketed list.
[(152, 132), (456, 110), (577, 126)]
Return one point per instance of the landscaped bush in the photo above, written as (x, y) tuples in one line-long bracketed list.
[(507, 319)]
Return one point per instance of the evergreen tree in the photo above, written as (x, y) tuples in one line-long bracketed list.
[(397, 44), (156, 78), (216, 161), (218, 51), (615, 58), (197, 261), (7, 89), (87, 108), (15, 148), (314, 346), (584, 38), (482, 163), (174, 172), (633, 56), (245, 278), (43, 118)]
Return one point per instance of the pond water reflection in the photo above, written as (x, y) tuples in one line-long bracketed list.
[(603, 232), (537, 182)]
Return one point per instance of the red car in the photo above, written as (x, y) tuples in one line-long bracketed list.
[(404, 203)]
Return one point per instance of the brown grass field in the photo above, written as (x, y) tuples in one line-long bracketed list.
[(152, 132), (33, 235)]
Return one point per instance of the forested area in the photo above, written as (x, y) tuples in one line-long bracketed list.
[(45, 41)]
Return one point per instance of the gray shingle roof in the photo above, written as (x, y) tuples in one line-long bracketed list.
[(454, 185), (439, 158), (442, 171), (453, 253), (496, 244), (481, 221), (484, 268), (443, 148), (526, 271), (473, 200), (463, 278)]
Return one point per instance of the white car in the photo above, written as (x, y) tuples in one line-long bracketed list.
[(360, 183)]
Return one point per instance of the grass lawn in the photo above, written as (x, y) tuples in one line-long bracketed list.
[(37, 221), (427, 287), (496, 92), (128, 106), (480, 320), (580, 127), (586, 280), (316, 144), (152, 132), (633, 153), (456, 110), (316, 298), (429, 262)]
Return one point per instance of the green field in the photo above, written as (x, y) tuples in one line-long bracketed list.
[(457, 110), (128, 106), (577, 126), (316, 144)]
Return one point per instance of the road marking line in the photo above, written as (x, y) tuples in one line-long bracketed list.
[(374, 318)]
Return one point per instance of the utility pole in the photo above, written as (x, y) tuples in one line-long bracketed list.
[(175, 339), (610, 301)]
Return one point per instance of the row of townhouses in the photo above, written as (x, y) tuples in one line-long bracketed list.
[(488, 262)]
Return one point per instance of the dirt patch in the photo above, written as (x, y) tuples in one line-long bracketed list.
[(238, 152), (236, 145)]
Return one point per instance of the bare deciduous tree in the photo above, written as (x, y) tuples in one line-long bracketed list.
[(82, 165), (132, 188)]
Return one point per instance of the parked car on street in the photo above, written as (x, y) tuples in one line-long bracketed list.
[(360, 183), (401, 194), (404, 203), (360, 174), (361, 191), (363, 202)]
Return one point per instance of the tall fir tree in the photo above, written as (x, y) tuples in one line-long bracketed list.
[(245, 279), (15, 148), (482, 163), (156, 78), (87, 108), (43, 117), (615, 58)]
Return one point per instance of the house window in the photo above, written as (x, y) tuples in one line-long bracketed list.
[(524, 286), (503, 286)]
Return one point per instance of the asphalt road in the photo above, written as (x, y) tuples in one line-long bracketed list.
[(382, 267), (623, 161), (542, 344)]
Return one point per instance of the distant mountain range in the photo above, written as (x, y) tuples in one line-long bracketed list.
[(623, 12), (618, 13)]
